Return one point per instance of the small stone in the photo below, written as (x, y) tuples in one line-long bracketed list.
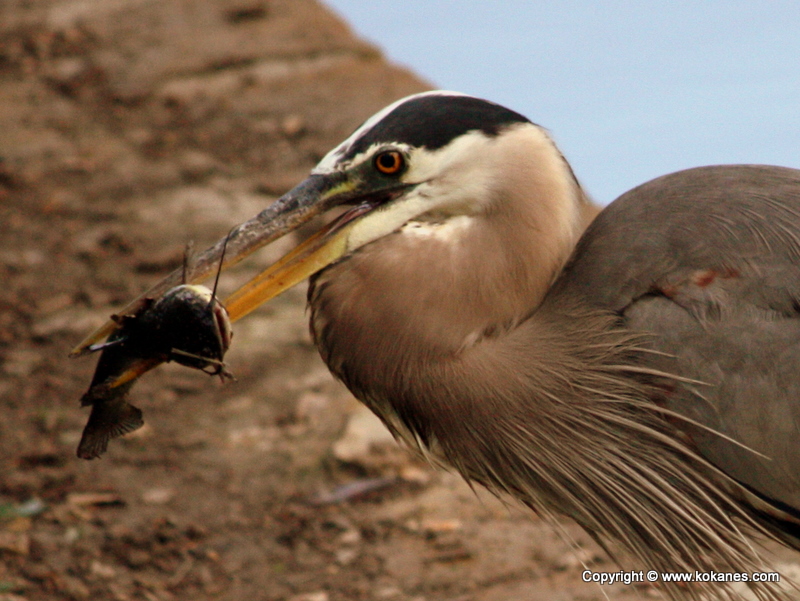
[(102, 570), (16, 542), (316, 596), (67, 72), (158, 496), (576, 558), (440, 526), (350, 537), (32, 507), (22, 258), (292, 125), (415, 474), (345, 557), (72, 535)]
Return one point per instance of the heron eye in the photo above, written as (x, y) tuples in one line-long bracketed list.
[(390, 162)]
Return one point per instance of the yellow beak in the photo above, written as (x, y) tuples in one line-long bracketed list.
[(323, 248)]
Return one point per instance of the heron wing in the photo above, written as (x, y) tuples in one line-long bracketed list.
[(708, 262)]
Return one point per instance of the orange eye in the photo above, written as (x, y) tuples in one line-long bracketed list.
[(390, 162)]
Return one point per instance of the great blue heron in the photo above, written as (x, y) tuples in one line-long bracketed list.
[(635, 368)]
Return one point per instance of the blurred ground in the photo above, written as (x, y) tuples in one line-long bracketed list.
[(127, 128)]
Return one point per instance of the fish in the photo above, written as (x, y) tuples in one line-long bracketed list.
[(187, 325)]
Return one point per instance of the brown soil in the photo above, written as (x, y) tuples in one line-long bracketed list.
[(128, 128)]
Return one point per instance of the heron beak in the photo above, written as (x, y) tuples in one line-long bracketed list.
[(320, 250), (325, 247), (315, 195)]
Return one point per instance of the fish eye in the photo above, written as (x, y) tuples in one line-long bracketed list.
[(390, 162)]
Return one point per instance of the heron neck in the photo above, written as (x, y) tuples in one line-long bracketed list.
[(421, 295)]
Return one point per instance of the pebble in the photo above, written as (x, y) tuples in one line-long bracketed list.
[(440, 526), (388, 592), (102, 570), (577, 558), (316, 596), (24, 258), (15, 542), (349, 537), (292, 125), (68, 72), (158, 496), (345, 557)]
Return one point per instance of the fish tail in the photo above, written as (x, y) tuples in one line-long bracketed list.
[(108, 420)]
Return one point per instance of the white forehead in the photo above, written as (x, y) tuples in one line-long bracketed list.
[(330, 161)]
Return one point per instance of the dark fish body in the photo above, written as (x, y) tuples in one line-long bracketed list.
[(186, 325)]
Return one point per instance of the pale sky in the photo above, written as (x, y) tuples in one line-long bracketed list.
[(629, 90)]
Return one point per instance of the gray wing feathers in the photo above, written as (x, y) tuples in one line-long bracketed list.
[(708, 261)]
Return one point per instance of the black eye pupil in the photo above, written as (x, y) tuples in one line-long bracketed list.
[(389, 162)]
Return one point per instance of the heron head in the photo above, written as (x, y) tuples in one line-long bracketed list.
[(432, 159), (429, 160)]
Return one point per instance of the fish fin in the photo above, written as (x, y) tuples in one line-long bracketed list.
[(108, 420)]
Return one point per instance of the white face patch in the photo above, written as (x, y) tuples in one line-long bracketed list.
[(448, 231), (452, 186), (457, 181), (385, 220), (332, 161), (458, 178)]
